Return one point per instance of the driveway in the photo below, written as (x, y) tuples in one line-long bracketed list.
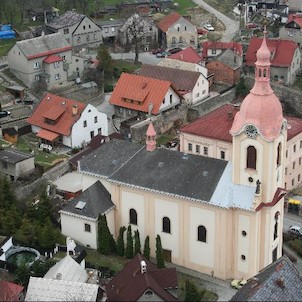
[(144, 57), (232, 27)]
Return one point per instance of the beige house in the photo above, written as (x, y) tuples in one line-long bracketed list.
[(77, 29), (209, 136), (292, 30), (176, 31), (48, 58), (16, 163)]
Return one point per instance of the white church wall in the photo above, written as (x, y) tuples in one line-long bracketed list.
[(243, 246), (202, 253)]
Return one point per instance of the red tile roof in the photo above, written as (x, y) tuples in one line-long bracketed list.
[(168, 21), (52, 59), (235, 46), (50, 52), (186, 55), (130, 284), (297, 18), (141, 90), (48, 135), (64, 121), (282, 51), (217, 124), (10, 291)]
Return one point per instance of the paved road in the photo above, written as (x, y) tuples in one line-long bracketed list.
[(231, 26), (144, 57), (291, 219)]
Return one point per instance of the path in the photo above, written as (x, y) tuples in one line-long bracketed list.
[(231, 26)]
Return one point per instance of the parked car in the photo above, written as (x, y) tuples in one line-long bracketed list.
[(209, 27), (295, 230), (174, 50), (161, 54), (238, 283), (157, 50), (4, 113)]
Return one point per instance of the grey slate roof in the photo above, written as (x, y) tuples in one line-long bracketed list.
[(97, 198), (110, 22), (188, 176), (42, 44), (13, 156), (181, 79), (69, 18), (280, 281), (227, 58)]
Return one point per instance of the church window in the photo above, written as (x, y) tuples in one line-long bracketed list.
[(294, 164), (243, 257), (260, 72), (264, 73), (243, 233), (299, 177), (293, 182), (132, 217), (190, 147), (251, 158), (276, 225), (294, 148), (300, 161), (202, 234), (205, 150), (197, 149), (279, 155), (166, 225)]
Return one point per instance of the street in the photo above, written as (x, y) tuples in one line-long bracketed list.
[(144, 57)]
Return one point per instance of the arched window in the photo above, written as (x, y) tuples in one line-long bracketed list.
[(279, 155), (166, 225), (132, 217), (251, 157), (276, 225), (260, 73), (202, 234), (264, 73)]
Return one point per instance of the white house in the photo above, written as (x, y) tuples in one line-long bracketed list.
[(58, 120)]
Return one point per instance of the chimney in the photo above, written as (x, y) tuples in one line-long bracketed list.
[(143, 267), (280, 282), (230, 116), (151, 138), (75, 109), (59, 276)]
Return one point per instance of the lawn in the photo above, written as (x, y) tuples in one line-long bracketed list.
[(183, 5), (298, 83), (164, 139), (6, 45), (125, 66)]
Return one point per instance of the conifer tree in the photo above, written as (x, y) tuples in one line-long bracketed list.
[(147, 248), (120, 242), (129, 246), (103, 236), (137, 243), (192, 293), (159, 253)]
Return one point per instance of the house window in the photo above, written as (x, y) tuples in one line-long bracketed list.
[(205, 150), (37, 77), (166, 225), (204, 92), (222, 154), (84, 27), (89, 26), (279, 155), (66, 31), (197, 149), (171, 98), (113, 29), (56, 64), (294, 165), (91, 134), (300, 161), (87, 227), (64, 58), (132, 217), (213, 51), (106, 30), (293, 182), (300, 144), (79, 39), (84, 124), (202, 233), (4, 165), (294, 148), (88, 38), (181, 40), (100, 131), (285, 171), (190, 147), (37, 65), (57, 76), (197, 94), (178, 28), (251, 157), (185, 28), (95, 119), (121, 110), (173, 40), (129, 111)]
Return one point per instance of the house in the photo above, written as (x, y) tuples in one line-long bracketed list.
[(176, 31), (15, 163), (140, 28), (79, 217), (77, 29), (285, 59), (209, 136), (110, 28), (135, 95), (192, 85), (44, 14), (212, 49), (10, 135), (140, 280), (47, 58), (279, 281), (230, 212), (226, 67), (58, 120), (10, 291), (41, 289), (186, 59), (292, 30)]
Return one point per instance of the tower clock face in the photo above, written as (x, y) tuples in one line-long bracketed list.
[(251, 131)]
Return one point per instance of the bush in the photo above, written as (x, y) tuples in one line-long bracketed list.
[(286, 237), (296, 245)]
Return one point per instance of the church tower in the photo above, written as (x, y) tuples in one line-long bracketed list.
[(259, 134)]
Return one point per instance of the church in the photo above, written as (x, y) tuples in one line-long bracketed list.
[(218, 217)]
